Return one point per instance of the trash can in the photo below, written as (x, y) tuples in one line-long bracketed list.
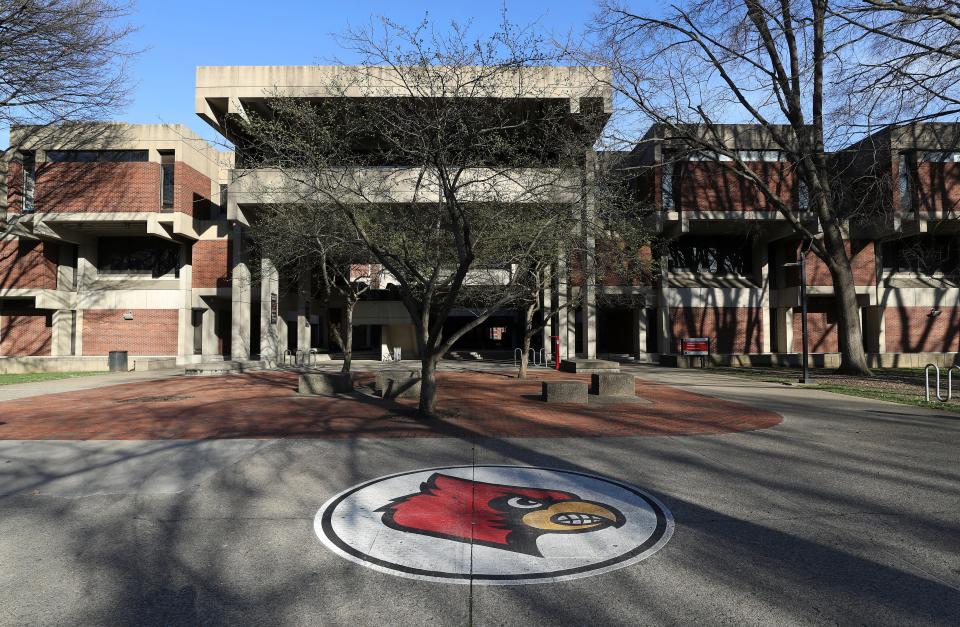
[(117, 361)]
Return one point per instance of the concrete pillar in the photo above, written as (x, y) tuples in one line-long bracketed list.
[(61, 333), (760, 254), (185, 342), (639, 331), (240, 297), (664, 341), (86, 264), (788, 329), (303, 310), (560, 291), (208, 335), (66, 270), (547, 308), (588, 217), (270, 345)]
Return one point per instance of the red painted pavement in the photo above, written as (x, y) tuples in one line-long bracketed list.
[(266, 405)]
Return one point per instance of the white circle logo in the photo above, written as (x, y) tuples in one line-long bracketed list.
[(497, 525)]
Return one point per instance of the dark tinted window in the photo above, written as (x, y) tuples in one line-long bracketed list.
[(138, 256), (719, 256), (91, 156), (924, 255)]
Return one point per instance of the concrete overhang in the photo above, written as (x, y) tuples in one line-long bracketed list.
[(398, 186), (226, 90)]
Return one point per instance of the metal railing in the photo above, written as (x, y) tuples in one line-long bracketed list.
[(534, 356), (926, 376)]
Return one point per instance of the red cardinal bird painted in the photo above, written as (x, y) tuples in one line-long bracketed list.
[(500, 516)]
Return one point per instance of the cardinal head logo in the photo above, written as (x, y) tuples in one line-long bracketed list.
[(494, 525), (499, 516)]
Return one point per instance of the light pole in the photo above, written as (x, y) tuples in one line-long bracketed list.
[(801, 262)]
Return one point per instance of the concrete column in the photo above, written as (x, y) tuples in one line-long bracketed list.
[(66, 271), (61, 332), (208, 335), (589, 303), (664, 341), (303, 310), (185, 309), (763, 274), (560, 292), (639, 331), (86, 263), (240, 297), (547, 308), (788, 329), (571, 324), (270, 345)]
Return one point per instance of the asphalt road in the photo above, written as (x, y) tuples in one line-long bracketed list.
[(846, 512)]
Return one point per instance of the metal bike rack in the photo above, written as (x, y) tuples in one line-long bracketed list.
[(289, 353), (926, 376)]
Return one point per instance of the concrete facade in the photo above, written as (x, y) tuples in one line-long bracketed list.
[(121, 237)]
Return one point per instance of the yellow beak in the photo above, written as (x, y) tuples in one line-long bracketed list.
[(572, 516)]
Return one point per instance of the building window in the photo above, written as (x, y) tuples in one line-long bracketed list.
[(903, 184), (95, 156), (138, 257), (666, 188), (720, 257), (927, 255), (745, 155), (29, 180), (940, 157), (167, 185)]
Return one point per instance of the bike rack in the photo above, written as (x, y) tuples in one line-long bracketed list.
[(535, 357), (289, 353), (926, 376)]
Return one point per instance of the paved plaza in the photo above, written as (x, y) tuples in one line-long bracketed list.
[(709, 499)]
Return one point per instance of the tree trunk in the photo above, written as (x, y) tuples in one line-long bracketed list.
[(428, 386), (346, 332), (525, 357), (853, 359), (527, 334)]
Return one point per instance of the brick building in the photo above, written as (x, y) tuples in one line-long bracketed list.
[(121, 237)]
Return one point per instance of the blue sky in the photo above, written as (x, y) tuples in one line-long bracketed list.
[(178, 35)]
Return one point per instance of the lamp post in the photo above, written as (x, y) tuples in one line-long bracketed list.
[(801, 262)]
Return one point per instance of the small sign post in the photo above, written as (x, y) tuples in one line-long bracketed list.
[(696, 347)]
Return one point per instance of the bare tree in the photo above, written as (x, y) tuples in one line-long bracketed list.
[(438, 155), (770, 63), (62, 60), (910, 66), (306, 240)]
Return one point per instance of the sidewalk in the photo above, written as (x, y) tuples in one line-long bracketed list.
[(74, 384)]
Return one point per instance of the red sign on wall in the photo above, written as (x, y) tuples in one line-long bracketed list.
[(695, 346)]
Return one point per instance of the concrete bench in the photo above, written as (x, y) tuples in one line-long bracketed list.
[(403, 387), (613, 384), (564, 391), (588, 365), (326, 383), (395, 375)]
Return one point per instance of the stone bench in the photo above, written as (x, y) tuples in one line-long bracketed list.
[(613, 384), (588, 365), (326, 383), (383, 376), (402, 387), (564, 392)]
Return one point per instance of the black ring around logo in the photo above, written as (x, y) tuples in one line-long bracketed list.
[(661, 534)]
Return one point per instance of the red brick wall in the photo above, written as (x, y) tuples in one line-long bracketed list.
[(92, 187), (733, 330), (912, 330), (211, 263), (937, 187), (822, 328), (863, 263), (25, 264), (711, 186), (26, 333), (14, 186), (151, 332), (188, 182)]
